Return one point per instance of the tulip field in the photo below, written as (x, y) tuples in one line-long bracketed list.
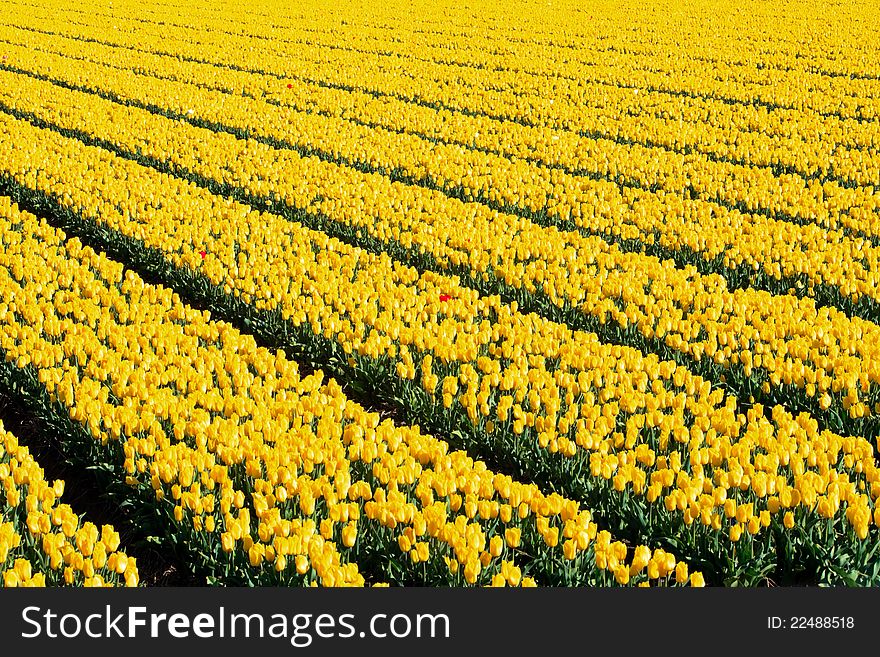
[(520, 293)]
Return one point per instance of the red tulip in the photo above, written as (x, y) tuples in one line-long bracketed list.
[(289, 86), (445, 297), (203, 254)]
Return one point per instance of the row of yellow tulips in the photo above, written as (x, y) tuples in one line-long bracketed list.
[(261, 469), (510, 34), (785, 340), (835, 86), (535, 170), (716, 134), (623, 415)]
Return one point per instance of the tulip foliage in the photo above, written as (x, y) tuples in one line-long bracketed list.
[(644, 280)]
